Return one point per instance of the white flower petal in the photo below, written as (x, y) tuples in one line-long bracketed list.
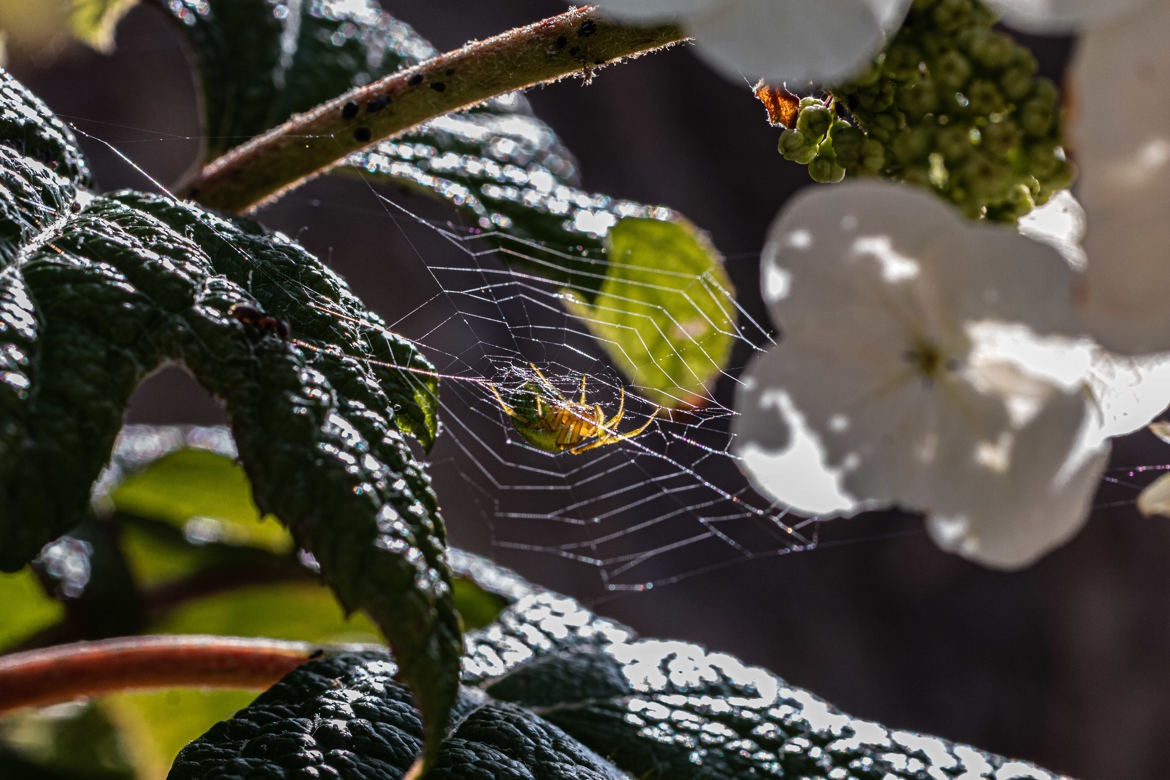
[(794, 40), (777, 40), (1128, 392), (789, 459), (1061, 16), (1040, 501), (654, 10), (1124, 157), (1060, 223)]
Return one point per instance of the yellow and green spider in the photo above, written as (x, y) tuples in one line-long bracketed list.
[(552, 422)]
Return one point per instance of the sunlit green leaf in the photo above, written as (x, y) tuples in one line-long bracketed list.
[(666, 310), (24, 607), (205, 494)]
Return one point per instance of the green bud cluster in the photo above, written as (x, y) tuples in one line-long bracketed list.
[(950, 104)]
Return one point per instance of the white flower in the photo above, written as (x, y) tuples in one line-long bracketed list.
[(778, 40), (925, 362), (1062, 16), (1121, 136)]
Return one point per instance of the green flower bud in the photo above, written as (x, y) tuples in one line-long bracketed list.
[(877, 98), (873, 156), (918, 100), (797, 147), (1016, 82), (986, 178), (912, 145), (883, 127), (950, 16), (999, 138), (902, 60), (1044, 89), (826, 169), (984, 98), (1037, 116), (814, 121), (1020, 201), (953, 142), (952, 70), (990, 49), (847, 142)]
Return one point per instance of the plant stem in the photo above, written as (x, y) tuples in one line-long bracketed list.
[(64, 672), (577, 42)]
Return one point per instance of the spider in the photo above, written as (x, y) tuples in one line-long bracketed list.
[(554, 423)]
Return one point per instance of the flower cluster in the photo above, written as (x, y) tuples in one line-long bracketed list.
[(949, 104), (971, 371)]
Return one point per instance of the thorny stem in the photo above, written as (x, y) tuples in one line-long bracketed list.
[(64, 672), (575, 43)]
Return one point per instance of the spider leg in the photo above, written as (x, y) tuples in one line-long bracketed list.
[(612, 437), (582, 389), (621, 410), (543, 379), (503, 405), (595, 443), (644, 426)]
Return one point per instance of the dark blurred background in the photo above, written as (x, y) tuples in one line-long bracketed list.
[(1066, 664)]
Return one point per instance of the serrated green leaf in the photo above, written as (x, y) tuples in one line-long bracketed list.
[(97, 291), (346, 716), (666, 310), (261, 63), (550, 681)]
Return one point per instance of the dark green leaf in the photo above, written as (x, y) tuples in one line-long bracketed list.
[(96, 292), (550, 672), (345, 716), (260, 63)]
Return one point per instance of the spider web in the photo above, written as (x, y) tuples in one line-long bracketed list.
[(641, 512)]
